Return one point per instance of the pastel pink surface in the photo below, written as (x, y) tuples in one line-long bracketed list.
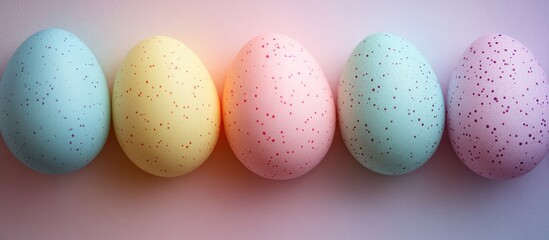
[(278, 109), (498, 108), (339, 199)]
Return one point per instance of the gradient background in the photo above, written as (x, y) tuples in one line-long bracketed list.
[(113, 199)]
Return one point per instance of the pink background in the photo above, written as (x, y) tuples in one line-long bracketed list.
[(113, 199)]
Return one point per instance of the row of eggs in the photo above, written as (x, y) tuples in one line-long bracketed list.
[(277, 107)]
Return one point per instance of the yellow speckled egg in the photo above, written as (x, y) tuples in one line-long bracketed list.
[(166, 111)]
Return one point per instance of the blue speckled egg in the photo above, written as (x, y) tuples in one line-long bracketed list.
[(390, 105), (54, 105)]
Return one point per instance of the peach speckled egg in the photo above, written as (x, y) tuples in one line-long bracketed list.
[(166, 110), (278, 109), (498, 108)]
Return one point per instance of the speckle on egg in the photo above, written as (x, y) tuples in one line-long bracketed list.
[(278, 109), (55, 110), (390, 105), (498, 107)]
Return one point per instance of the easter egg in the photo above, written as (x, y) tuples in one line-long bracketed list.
[(390, 105), (498, 108), (54, 106), (278, 109), (166, 111)]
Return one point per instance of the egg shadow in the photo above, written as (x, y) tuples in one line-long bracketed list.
[(451, 186), (15, 176), (113, 172)]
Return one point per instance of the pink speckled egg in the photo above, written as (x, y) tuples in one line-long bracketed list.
[(278, 110), (498, 108)]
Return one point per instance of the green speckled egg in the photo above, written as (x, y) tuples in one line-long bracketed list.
[(391, 107)]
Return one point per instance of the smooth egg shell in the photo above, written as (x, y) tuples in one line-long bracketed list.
[(55, 108), (278, 109), (166, 111), (498, 108), (390, 105)]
